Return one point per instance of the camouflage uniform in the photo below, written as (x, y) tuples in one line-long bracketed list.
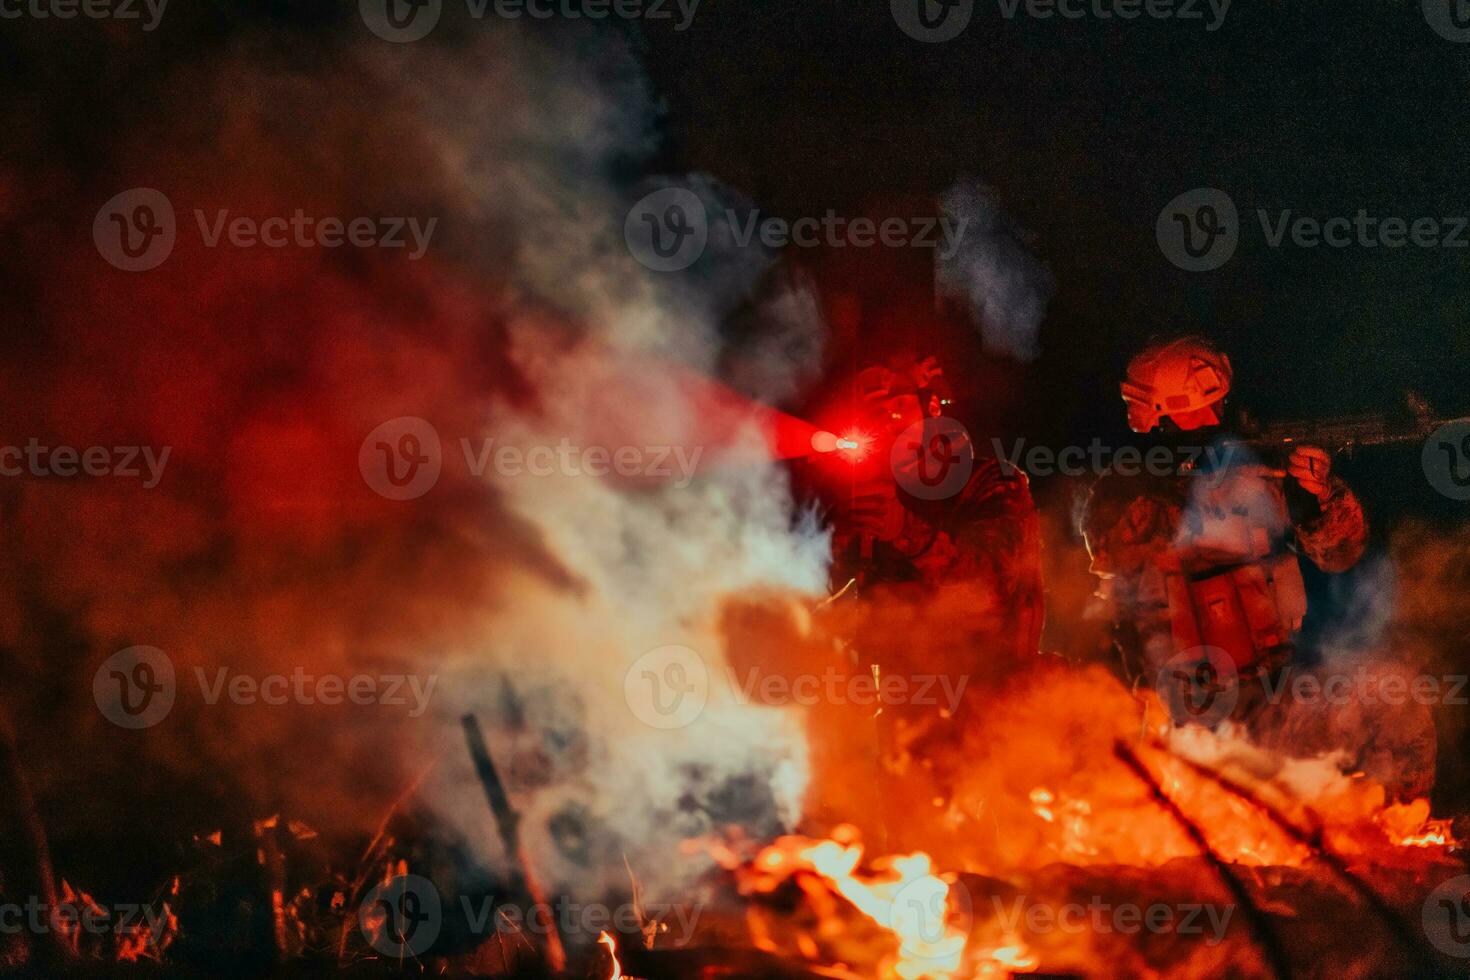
[(987, 537), (1211, 559)]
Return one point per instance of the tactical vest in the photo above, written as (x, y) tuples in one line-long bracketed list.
[(1230, 580)]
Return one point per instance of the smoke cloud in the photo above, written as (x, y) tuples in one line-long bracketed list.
[(265, 551), (994, 273)]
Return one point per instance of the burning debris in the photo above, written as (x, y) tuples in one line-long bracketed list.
[(724, 638)]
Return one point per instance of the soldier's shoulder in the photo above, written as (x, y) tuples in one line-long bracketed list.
[(1113, 493)]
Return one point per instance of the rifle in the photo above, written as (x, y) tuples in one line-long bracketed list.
[(1346, 433)]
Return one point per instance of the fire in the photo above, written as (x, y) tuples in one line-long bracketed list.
[(913, 904), (902, 894), (1033, 797), (612, 950), (1409, 825)]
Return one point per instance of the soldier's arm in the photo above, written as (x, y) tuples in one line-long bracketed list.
[(1335, 536), (997, 537)]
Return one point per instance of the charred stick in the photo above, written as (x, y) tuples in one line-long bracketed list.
[(1260, 926), (272, 862), (25, 855), (507, 822), (1312, 840)]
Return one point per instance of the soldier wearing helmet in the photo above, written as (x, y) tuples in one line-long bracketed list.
[(937, 560), (1204, 564), (921, 511), (1202, 578)]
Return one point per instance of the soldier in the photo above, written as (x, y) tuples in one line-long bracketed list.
[(1200, 569), (942, 552), (1206, 558), (923, 513)]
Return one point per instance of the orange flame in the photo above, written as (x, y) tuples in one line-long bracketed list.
[(902, 894), (612, 950)]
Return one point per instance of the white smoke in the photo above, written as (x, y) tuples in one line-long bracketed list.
[(648, 562), (994, 273)]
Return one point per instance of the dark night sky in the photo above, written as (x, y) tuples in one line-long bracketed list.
[(1086, 129)]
